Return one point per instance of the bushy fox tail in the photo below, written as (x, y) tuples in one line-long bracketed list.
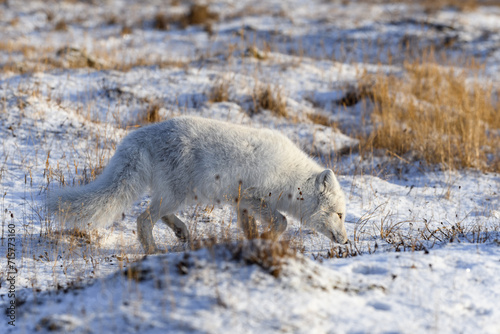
[(124, 179)]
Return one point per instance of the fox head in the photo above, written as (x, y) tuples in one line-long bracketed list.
[(329, 216)]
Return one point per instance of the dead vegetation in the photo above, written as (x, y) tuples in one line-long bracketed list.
[(151, 114), (47, 59), (432, 6), (61, 26), (268, 97), (219, 92), (254, 52), (354, 94), (438, 114), (268, 255), (162, 22), (320, 119), (75, 58), (198, 14), (126, 30)]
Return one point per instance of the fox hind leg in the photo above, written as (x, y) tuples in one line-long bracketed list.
[(178, 226), (147, 220), (145, 224)]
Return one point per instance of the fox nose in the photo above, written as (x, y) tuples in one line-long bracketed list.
[(343, 241)]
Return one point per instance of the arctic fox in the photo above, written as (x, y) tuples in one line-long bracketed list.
[(189, 160)]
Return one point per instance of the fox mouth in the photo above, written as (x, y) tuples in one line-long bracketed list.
[(334, 238)]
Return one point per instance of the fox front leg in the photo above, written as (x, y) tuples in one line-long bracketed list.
[(178, 226), (277, 225), (275, 221), (247, 224)]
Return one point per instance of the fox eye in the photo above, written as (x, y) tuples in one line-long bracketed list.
[(340, 215)]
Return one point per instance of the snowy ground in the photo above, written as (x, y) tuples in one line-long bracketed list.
[(451, 289), (424, 252)]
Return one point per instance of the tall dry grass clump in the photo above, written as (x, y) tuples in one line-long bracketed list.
[(219, 92), (267, 97), (151, 114), (432, 6), (440, 114)]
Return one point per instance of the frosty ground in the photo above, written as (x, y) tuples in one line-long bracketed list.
[(424, 252)]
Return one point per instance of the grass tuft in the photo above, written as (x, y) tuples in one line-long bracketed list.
[(267, 97), (61, 26), (162, 21), (436, 114), (268, 255), (432, 6), (320, 119), (354, 94), (151, 114), (219, 92), (199, 14)]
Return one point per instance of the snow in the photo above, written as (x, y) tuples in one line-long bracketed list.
[(424, 252), (451, 289)]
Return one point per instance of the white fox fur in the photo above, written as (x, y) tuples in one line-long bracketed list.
[(189, 160)]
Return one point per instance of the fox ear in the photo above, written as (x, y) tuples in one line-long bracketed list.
[(325, 181)]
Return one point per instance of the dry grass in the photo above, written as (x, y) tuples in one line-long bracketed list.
[(431, 6), (47, 59), (364, 90), (250, 10), (269, 255), (197, 15), (112, 19), (14, 47), (151, 114), (162, 22), (219, 92), (61, 26), (436, 114), (254, 52), (320, 119), (126, 30), (267, 97), (14, 22)]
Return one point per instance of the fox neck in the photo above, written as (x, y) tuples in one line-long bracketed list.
[(300, 202)]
